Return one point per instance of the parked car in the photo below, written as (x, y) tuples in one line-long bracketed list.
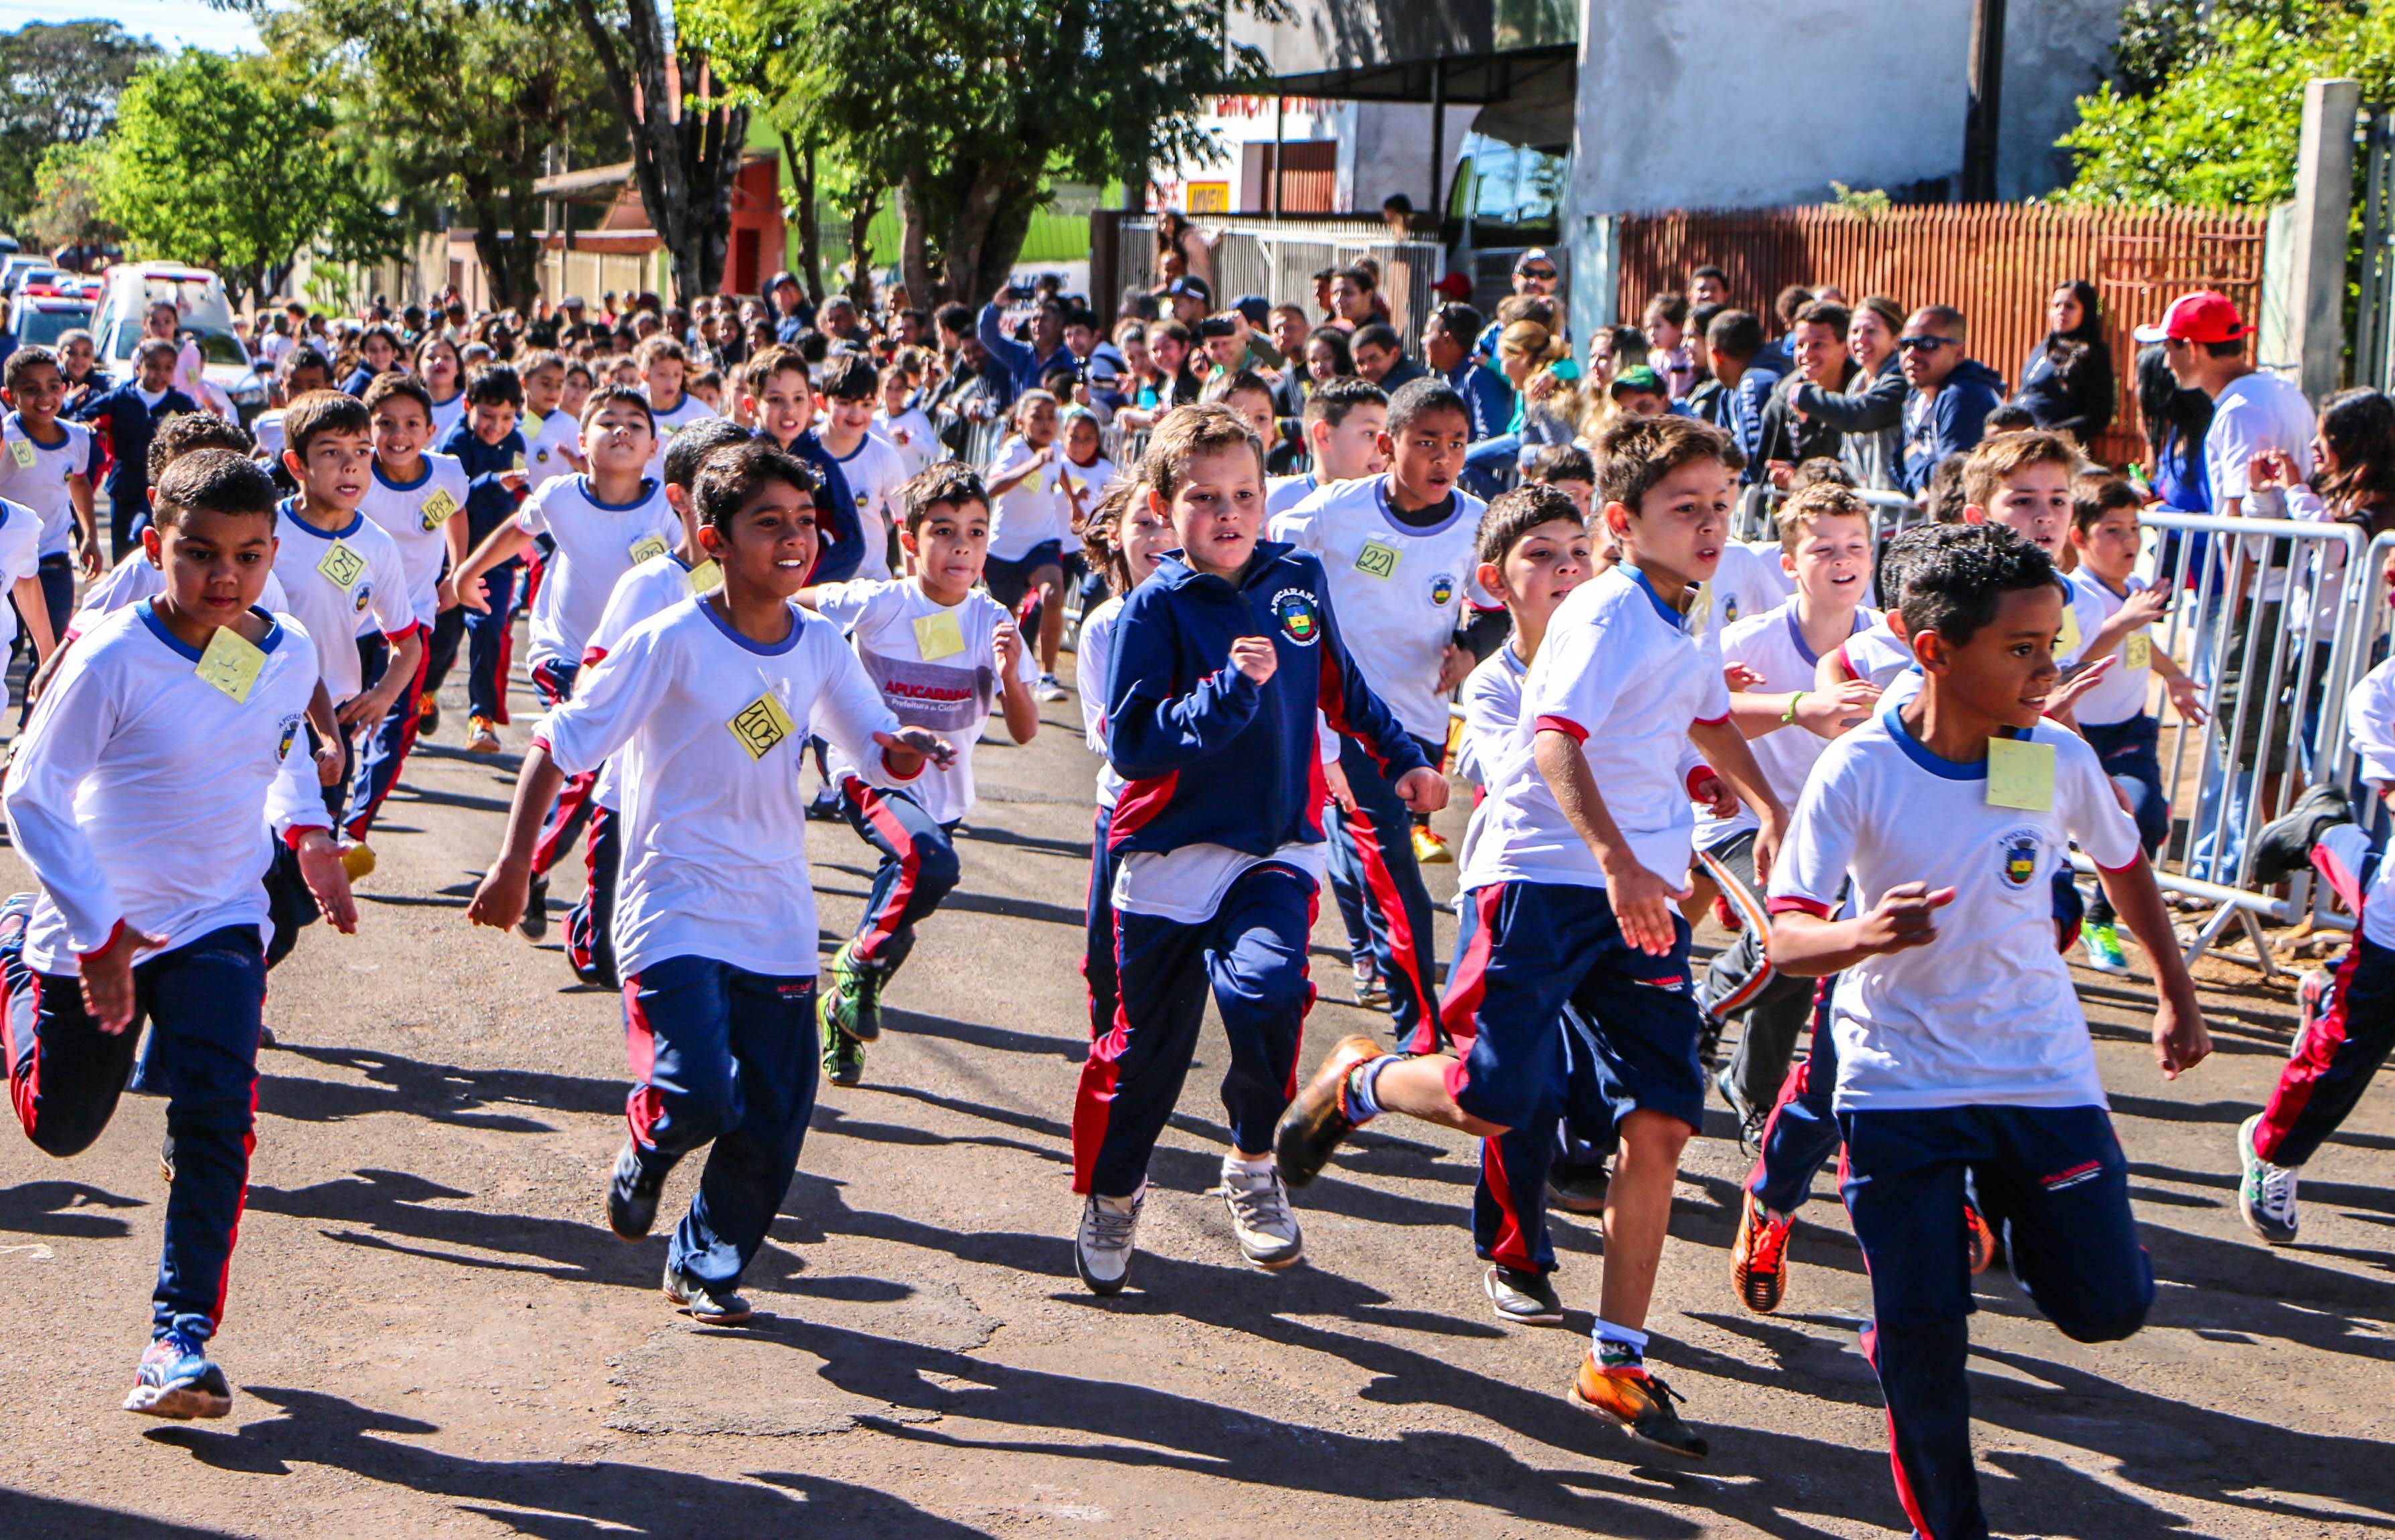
[(36, 319), (202, 313)]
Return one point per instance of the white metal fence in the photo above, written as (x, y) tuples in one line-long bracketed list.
[(1278, 261)]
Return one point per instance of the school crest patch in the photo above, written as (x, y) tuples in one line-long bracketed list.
[(1442, 588), (290, 735), (362, 598), (2021, 849), (1300, 616)]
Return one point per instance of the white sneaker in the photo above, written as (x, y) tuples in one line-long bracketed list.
[(1049, 689), (2266, 1195), (1261, 1216), (1102, 1247)]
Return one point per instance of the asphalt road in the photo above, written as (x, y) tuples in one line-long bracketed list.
[(432, 1332)]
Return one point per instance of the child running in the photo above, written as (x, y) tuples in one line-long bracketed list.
[(715, 921), (875, 473), (1581, 850), (48, 465), (1030, 521), (1962, 1049), (197, 696), (1223, 664), (1345, 418), (942, 653)]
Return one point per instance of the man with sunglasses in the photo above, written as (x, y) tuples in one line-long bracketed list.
[(1947, 412), (1535, 275)]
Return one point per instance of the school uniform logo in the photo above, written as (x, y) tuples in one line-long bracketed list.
[(290, 736), (364, 596), (1300, 616), (1442, 589), (2021, 849)]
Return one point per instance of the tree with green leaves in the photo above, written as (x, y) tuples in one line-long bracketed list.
[(462, 99), (59, 85), (66, 199), (234, 164), (1002, 98)]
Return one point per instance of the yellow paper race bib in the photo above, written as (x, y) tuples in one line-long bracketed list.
[(760, 726), (645, 548), (437, 509), (2138, 651), (1378, 558), (2021, 774), (2068, 641), (342, 566), (706, 576), (937, 636), (22, 451), (230, 662)]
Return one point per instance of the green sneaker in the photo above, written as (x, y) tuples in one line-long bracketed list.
[(851, 995), (2104, 954), (843, 1056)]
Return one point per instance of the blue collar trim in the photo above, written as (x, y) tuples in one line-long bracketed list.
[(590, 491), (1381, 496), (1671, 617), (148, 611), (287, 512), (763, 650), (382, 480)]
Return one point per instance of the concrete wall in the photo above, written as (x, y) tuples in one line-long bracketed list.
[(1389, 151), (2055, 51)]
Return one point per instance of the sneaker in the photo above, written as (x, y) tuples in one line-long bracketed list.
[(826, 808), (1429, 849), (1048, 689), (1758, 1257), (1261, 1217), (851, 1002), (1371, 991), (357, 859), (177, 1379), (534, 924), (1749, 1121), (2311, 1004), (1523, 1299), (2104, 954), (480, 737), (707, 1306), (1102, 1247), (1317, 1120), (1979, 1240), (428, 715), (632, 1193), (2285, 846), (1639, 1403), (2266, 1195), (1578, 1187), (843, 1056)]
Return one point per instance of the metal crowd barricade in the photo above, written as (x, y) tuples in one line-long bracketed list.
[(2266, 618), (2374, 614), (1758, 507)]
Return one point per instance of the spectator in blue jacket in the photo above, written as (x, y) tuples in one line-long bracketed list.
[(1025, 364), (127, 416), (1741, 384), (1952, 394), (1448, 337)]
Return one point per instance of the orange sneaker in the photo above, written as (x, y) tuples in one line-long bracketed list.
[(1637, 1402), (1317, 1120), (1758, 1259), (1979, 1239)]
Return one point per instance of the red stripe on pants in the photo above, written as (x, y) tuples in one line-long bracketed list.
[(2296, 1082), (644, 1106), (883, 922), (1405, 955)]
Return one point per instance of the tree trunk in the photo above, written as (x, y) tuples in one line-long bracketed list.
[(914, 254), (803, 188), (860, 247), (1008, 223), (507, 244)]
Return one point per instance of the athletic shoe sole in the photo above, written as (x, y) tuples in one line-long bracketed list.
[(177, 1402), (1697, 1451), (1543, 1316), (704, 1318)]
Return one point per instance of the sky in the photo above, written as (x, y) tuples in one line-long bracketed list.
[(172, 23)]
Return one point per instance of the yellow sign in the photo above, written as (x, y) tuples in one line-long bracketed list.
[(937, 636), (646, 546), (342, 566), (438, 509), (230, 662), (22, 451), (2138, 651), (2021, 774), (760, 726), (1378, 558), (706, 576), (2067, 642)]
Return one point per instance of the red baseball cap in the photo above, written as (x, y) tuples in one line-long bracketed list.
[(2203, 316), (1455, 285)]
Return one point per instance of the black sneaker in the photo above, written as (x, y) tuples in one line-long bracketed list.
[(1523, 1299), (1578, 1187), (2285, 846), (534, 924), (633, 1193)]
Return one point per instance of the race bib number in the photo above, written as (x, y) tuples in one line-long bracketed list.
[(515, 462), (1378, 558), (2021, 774), (230, 662), (706, 576), (2138, 651), (437, 509), (2067, 642), (647, 547), (342, 566), (760, 726), (22, 451), (938, 636)]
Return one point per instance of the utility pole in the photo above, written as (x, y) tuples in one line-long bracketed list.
[(1983, 116)]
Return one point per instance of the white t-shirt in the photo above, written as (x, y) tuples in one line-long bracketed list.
[(1034, 510), (597, 544), (936, 668), (268, 431), (1772, 644), (910, 433), (127, 734), (35, 474), (20, 557), (875, 476), (1985, 1015), (1399, 591), (134, 579), (342, 585), (1748, 581), (447, 414), (651, 588), (1620, 671), (690, 409), (2370, 723), (2257, 411), (547, 456), (1092, 651), (710, 727), (1284, 492), (2122, 691), (416, 518)]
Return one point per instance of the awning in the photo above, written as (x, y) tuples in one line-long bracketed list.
[(1491, 77)]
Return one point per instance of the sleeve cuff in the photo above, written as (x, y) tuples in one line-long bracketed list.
[(1713, 721), (1697, 775), (1566, 725), (1845, 665), (897, 774), (114, 932), (297, 832), (540, 742), (1790, 903), (2132, 861), (395, 637)]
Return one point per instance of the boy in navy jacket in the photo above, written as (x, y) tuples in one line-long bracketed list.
[(127, 416), (1221, 663)]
